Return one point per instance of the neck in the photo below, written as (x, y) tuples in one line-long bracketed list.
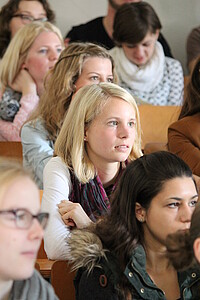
[(108, 173), (156, 259), (5, 288), (108, 20)]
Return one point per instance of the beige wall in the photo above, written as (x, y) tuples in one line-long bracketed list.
[(177, 17)]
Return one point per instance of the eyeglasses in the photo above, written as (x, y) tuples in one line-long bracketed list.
[(28, 19), (22, 218)]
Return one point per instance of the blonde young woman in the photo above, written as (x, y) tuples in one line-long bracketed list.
[(99, 136), (30, 55), (79, 64), (21, 231)]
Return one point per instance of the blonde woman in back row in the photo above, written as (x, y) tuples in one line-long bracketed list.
[(100, 135), (32, 52)]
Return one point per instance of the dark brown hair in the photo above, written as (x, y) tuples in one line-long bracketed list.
[(6, 14), (191, 103), (133, 21), (180, 245)]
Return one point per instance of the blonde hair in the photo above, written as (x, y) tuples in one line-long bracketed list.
[(86, 105), (18, 48), (10, 169), (60, 85)]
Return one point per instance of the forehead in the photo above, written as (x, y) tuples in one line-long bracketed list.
[(117, 107), (180, 187), (46, 38), (94, 62), (30, 6), (20, 193)]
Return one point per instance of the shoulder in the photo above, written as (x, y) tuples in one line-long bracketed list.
[(190, 122), (88, 25), (35, 125), (172, 63), (55, 164), (33, 288)]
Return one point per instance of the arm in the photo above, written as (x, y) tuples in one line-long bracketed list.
[(57, 186), (181, 142), (11, 130), (37, 149), (175, 72)]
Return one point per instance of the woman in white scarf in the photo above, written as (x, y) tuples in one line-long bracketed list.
[(140, 62)]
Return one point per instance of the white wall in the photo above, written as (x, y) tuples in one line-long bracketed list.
[(178, 17)]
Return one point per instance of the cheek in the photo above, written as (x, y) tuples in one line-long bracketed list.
[(37, 67)]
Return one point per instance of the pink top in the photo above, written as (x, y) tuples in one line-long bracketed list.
[(9, 131)]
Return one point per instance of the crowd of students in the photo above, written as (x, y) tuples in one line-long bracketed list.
[(119, 217)]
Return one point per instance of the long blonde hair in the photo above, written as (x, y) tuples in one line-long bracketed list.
[(18, 48), (86, 105), (60, 85)]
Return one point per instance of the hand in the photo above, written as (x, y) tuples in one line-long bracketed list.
[(24, 83), (73, 214)]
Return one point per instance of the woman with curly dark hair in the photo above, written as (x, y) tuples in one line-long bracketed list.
[(17, 13)]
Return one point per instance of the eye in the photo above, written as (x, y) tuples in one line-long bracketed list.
[(192, 203), (59, 50), (110, 80), (43, 50), (27, 18), (173, 205), (113, 123), (131, 124), (94, 77)]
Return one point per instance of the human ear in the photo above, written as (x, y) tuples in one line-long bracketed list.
[(140, 212), (196, 248), (157, 33)]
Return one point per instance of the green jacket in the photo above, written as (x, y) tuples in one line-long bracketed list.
[(98, 273)]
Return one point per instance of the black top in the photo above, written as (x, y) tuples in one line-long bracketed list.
[(94, 32)]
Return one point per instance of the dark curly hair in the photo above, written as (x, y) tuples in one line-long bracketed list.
[(6, 14)]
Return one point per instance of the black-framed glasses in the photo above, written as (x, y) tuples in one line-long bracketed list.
[(28, 19), (22, 218)]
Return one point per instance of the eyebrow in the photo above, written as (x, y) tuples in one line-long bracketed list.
[(180, 199)]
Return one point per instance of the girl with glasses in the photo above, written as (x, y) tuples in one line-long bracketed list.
[(21, 231)]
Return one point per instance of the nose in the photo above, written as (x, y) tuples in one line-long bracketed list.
[(53, 55), (36, 231), (123, 131), (186, 214), (139, 51)]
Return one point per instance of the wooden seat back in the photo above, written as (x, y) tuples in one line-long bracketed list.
[(155, 121), (62, 280), (11, 149)]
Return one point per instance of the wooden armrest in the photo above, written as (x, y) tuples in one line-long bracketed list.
[(45, 266)]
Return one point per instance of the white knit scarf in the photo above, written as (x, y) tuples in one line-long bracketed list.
[(143, 78)]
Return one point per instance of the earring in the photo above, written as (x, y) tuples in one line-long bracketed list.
[(141, 220), (85, 138)]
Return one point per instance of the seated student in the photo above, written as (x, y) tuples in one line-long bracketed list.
[(30, 55), (17, 13), (183, 135), (100, 30), (100, 134), (193, 47), (141, 64), (80, 64), (21, 231), (124, 255), (184, 247)]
